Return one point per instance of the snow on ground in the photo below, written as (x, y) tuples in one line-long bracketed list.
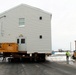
[(60, 57)]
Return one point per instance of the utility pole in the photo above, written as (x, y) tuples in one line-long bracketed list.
[(70, 47), (75, 44)]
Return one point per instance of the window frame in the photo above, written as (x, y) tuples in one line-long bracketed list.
[(21, 22), (22, 40), (17, 41)]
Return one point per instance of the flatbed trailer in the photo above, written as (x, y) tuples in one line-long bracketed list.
[(11, 51)]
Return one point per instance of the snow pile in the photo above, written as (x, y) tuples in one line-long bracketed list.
[(58, 56)]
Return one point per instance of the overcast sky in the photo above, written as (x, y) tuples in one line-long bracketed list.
[(63, 19)]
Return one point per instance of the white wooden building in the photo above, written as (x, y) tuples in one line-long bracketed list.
[(28, 26)]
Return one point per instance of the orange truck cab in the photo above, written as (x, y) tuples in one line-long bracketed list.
[(74, 54)]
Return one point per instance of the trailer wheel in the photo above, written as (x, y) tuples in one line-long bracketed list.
[(9, 59), (42, 57)]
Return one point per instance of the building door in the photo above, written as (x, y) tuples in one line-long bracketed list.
[(21, 44)]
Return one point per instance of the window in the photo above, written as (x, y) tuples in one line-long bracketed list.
[(18, 41), (40, 17), (21, 22), (40, 36), (22, 41)]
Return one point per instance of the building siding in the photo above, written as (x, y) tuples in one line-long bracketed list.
[(31, 31)]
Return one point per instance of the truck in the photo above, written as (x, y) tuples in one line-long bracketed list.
[(25, 34), (74, 54)]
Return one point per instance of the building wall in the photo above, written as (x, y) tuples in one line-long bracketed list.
[(34, 27)]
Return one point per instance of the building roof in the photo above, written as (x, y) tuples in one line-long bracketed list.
[(25, 5)]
